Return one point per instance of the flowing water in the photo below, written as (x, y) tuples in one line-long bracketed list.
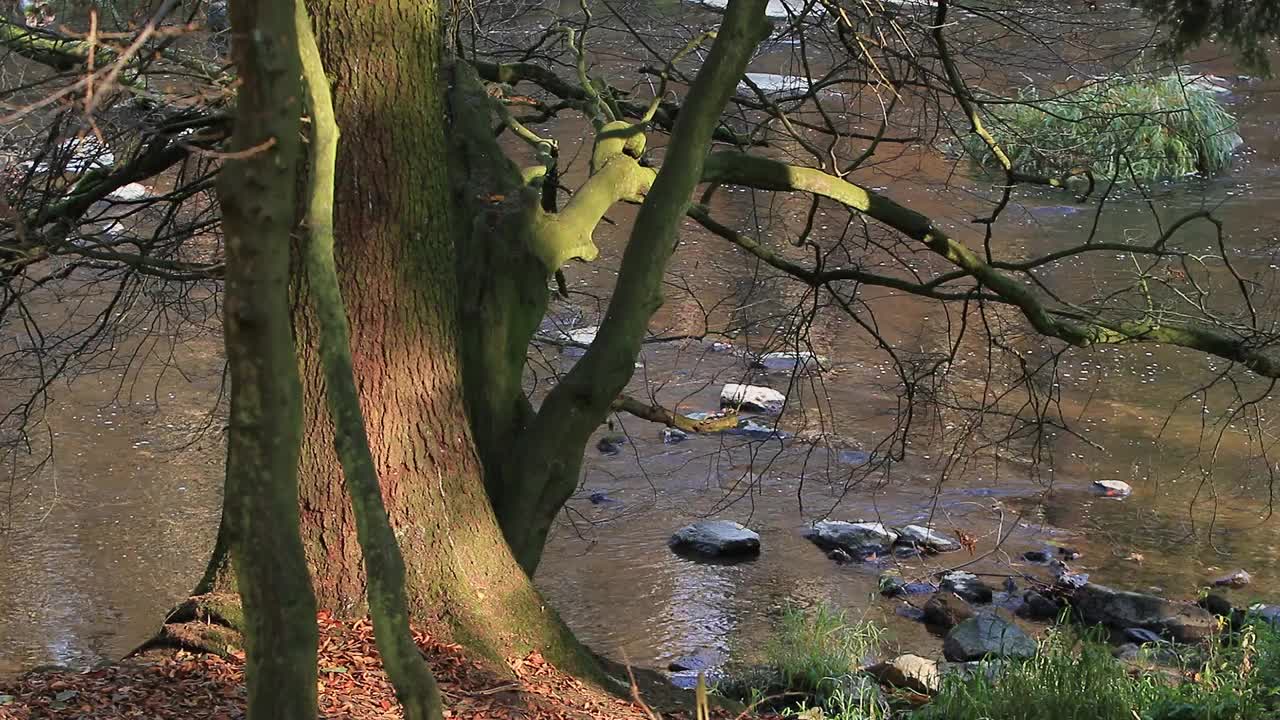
[(115, 528)]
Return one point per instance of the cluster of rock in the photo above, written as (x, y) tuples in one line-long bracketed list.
[(846, 541), (842, 540), (980, 623)]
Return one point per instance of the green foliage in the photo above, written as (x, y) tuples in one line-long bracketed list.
[(815, 655), (812, 649), (860, 702), (1077, 679), (1131, 128)]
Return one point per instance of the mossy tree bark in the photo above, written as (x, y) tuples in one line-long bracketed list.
[(261, 508), (415, 686)]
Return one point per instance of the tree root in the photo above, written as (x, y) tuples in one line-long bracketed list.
[(208, 624)]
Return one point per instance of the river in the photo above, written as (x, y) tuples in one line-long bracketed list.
[(113, 530)]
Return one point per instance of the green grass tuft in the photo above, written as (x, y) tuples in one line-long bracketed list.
[(814, 660), (1132, 129)]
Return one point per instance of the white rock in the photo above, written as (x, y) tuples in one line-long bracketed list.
[(927, 539), (132, 191), (1112, 488), (752, 397), (772, 83), (803, 360)]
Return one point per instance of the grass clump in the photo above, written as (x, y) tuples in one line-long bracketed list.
[(1076, 678), (812, 668), (1133, 128)]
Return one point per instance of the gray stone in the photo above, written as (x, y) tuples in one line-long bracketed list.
[(1237, 579), (674, 435), (1120, 609), (909, 671), (1037, 556), (1142, 635), (859, 540), (1112, 488), (946, 610), (1263, 611), (753, 398), (988, 634), (891, 583), (1037, 607), (927, 539), (967, 586), (716, 538)]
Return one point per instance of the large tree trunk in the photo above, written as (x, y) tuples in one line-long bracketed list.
[(394, 251)]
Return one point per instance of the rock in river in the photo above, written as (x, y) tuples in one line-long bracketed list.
[(946, 610), (908, 671), (967, 586), (1112, 488), (716, 538), (926, 539), (859, 540), (1237, 579), (1120, 609), (988, 634), (1036, 606), (790, 361), (753, 398)]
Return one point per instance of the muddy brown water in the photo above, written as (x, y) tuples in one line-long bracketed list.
[(115, 528)]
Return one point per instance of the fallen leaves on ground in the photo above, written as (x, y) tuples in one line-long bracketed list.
[(352, 685)]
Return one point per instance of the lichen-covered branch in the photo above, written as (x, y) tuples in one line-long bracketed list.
[(670, 418), (414, 684), (1074, 328)]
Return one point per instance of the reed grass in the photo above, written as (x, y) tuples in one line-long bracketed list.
[(1140, 129)]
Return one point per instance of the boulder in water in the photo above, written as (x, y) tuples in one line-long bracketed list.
[(908, 671), (753, 398), (988, 634), (1120, 609), (946, 610), (967, 586), (859, 540), (716, 538), (927, 539), (1112, 488), (1036, 606), (1237, 579)]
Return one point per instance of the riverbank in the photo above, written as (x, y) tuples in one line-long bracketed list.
[(178, 685), (820, 666)]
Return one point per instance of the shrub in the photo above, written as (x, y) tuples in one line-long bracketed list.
[(1131, 128), (1077, 679)]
